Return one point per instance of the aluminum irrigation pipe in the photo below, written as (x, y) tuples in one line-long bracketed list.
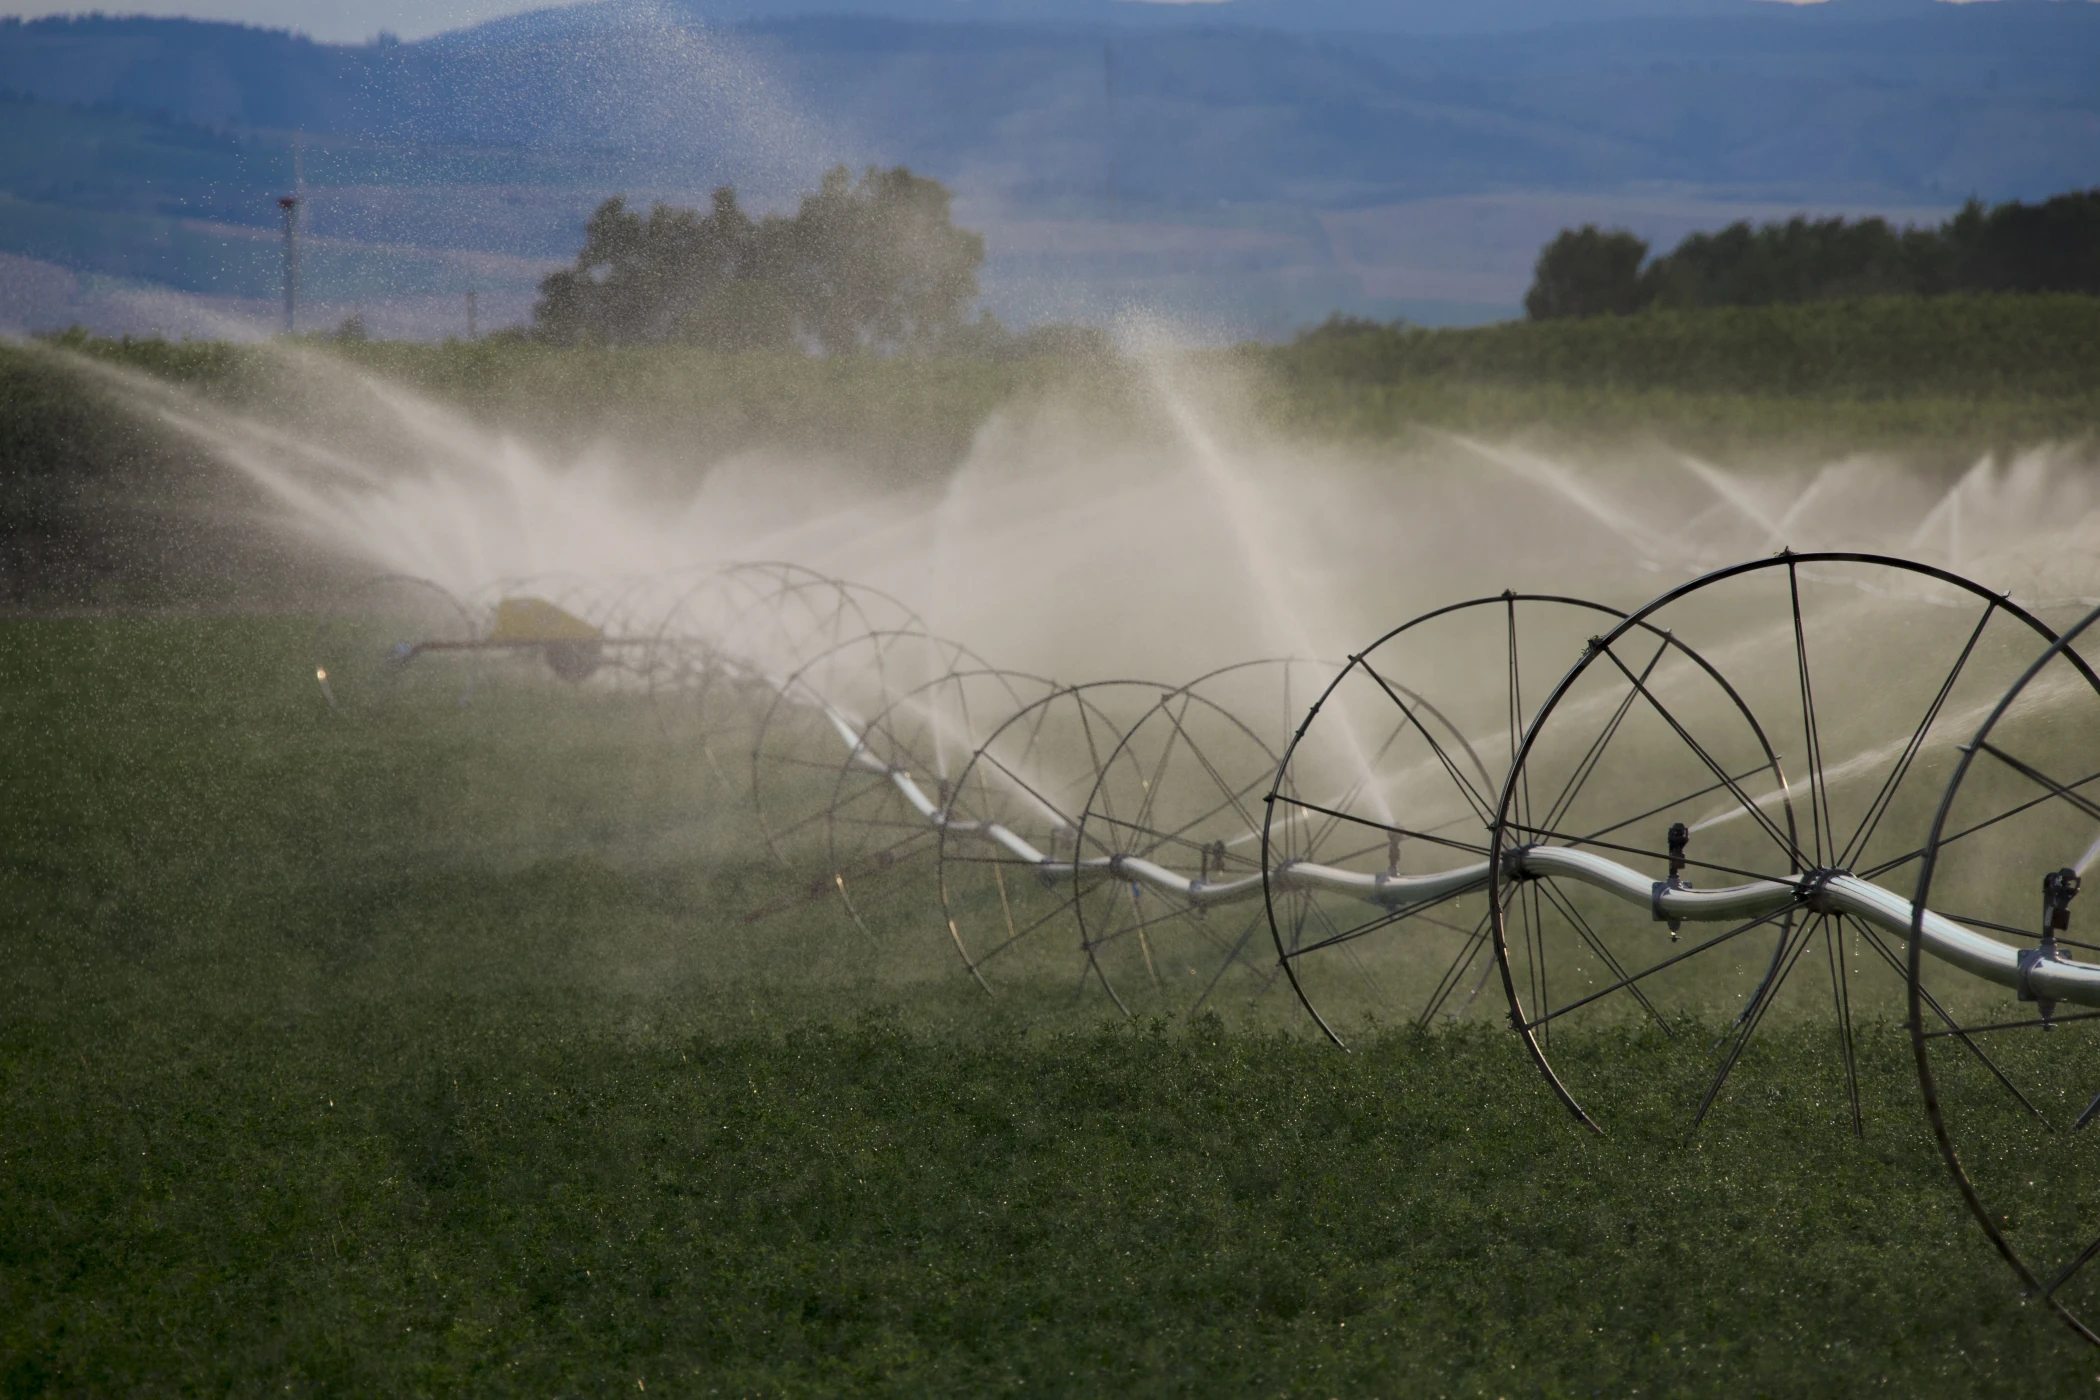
[(1827, 892), (2033, 976)]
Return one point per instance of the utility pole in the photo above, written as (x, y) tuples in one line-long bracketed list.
[(290, 205), (470, 315), (1108, 87), (1108, 90)]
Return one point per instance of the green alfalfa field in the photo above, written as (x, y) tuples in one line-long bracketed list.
[(438, 1053)]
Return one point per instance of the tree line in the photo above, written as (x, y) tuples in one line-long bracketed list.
[(2053, 246)]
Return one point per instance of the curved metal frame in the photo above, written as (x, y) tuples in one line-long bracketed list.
[(1507, 601), (893, 765), (1823, 891), (466, 617), (796, 692), (1208, 889), (1919, 1001), (1049, 866)]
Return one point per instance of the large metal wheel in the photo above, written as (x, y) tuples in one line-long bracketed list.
[(396, 643), (1176, 818), (882, 826), (718, 656), (768, 618), (1690, 841), (1009, 869), (624, 611), (2004, 977), (1390, 782), (818, 717)]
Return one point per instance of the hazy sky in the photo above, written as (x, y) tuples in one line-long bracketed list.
[(342, 21), (349, 21)]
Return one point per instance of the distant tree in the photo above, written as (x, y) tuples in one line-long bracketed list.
[(1339, 326), (1588, 272), (1800, 260), (666, 277), (2053, 246), (877, 264)]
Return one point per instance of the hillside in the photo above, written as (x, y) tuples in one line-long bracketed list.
[(1225, 175)]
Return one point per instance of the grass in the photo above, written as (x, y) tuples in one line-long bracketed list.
[(435, 1055)]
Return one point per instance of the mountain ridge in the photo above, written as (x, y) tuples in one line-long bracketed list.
[(1108, 162)]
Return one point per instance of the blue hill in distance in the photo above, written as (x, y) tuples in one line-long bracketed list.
[(1247, 166)]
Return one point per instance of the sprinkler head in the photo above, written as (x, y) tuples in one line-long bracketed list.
[(1680, 837), (2059, 888)]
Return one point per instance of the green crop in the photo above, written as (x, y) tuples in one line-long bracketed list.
[(434, 1052)]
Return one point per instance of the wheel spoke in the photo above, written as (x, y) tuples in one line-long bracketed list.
[(2035, 1024), (1755, 1016), (1178, 834), (1232, 959), (1334, 818), (1896, 965), (1448, 983), (1841, 995), (1786, 844), (1051, 807), (1878, 808), (1480, 804), (1673, 802), (1527, 905), (1516, 707), (1386, 827), (1149, 787), (1015, 937), (2070, 1270), (1874, 872), (2035, 775), (1580, 778), (1356, 931), (1231, 793), (1596, 945), (1668, 962)]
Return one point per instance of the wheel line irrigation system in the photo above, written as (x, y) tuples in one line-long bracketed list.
[(1823, 740)]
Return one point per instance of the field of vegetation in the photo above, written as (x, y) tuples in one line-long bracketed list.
[(1941, 379), (439, 1054), (436, 1055)]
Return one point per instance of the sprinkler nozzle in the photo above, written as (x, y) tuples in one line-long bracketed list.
[(2059, 888), (1680, 837)]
